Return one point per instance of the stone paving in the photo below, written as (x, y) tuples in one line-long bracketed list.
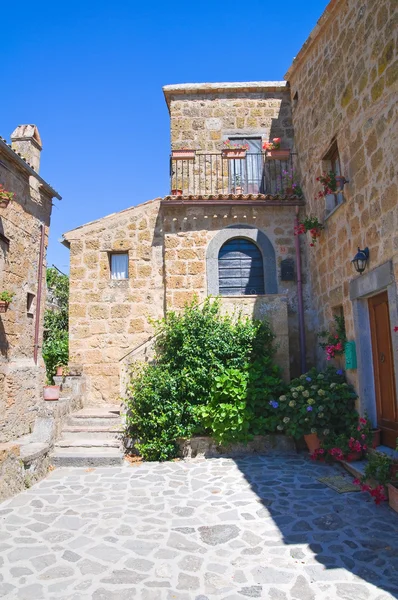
[(223, 529)]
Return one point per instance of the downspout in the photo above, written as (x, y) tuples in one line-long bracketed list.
[(39, 288), (303, 362)]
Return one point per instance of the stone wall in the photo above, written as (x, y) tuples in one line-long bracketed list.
[(344, 88), (109, 318), (21, 380), (202, 116), (167, 245)]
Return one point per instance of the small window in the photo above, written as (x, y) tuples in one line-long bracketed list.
[(332, 160), (119, 263), (30, 304)]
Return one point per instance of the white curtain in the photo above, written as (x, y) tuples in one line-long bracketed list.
[(119, 266)]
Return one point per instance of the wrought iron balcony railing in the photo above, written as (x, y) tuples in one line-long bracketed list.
[(213, 174)]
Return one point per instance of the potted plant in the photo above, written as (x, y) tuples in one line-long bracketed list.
[(273, 150), (5, 197), (233, 150), (237, 187), (183, 154), (51, 392), (290, 183), (313, 226), (5, 299), (317, 404), (333, 342)]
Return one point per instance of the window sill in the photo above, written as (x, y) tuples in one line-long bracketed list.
[(335, 209)]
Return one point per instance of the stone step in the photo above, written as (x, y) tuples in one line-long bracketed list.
[(93, 432), (108, 411), (80, 441), (86, 457), (81, 421)]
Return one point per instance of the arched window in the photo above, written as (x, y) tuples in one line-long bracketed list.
[(240, 268)]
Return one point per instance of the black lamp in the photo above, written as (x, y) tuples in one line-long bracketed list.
[(360, 260)]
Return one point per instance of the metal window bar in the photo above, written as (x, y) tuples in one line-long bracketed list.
[(213, 173)]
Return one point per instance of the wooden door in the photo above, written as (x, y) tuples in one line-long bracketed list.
[(386, 402)]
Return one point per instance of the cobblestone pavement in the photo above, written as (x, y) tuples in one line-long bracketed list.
[(218, 529)]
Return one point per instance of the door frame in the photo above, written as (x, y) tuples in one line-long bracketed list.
[(361, 289)]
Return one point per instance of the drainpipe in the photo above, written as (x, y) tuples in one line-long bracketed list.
[(39, 288), (303, 362)]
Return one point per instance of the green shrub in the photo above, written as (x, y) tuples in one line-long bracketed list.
[(199, 352), (316, 402), (56, 337)]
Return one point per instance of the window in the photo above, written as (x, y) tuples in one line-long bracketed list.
[(119, 263), (245, 175), (240, 268), (332, 160), (30, 304)]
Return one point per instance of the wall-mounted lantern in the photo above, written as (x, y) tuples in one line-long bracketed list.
[(360, 260)]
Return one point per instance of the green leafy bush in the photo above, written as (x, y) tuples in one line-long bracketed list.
[(56, 337), (316, 402), (198, 352)]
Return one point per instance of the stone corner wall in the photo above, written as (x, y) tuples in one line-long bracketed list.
[(345, 84), (21, 380), (109, 318)]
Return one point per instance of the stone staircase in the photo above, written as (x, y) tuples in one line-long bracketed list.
[(91, 437)]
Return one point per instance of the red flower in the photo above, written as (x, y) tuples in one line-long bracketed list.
[(396, 328)]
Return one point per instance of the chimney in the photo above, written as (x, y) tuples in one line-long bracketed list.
[(25, 140)]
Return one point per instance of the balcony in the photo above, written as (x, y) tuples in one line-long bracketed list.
[(215, 174)]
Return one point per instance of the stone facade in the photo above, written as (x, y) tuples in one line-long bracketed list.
[(22, 225), (344, 89)]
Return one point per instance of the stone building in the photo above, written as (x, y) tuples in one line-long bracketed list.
[(344, 93), (157, 256), (227, 225), (24, 227)]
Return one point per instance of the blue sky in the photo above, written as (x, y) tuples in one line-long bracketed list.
[(90, 76)]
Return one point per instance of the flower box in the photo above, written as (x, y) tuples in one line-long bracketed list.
[(3, 306), (393, 496), (183, 154), (234, 153), (278, 154)]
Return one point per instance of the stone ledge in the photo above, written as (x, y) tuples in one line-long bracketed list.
[(207, 447)]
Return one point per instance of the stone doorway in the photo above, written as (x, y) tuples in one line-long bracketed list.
[(386, 401)]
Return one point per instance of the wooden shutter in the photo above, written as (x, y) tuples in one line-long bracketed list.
[(240, 268)]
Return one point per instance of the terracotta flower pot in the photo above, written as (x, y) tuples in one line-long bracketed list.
[(313, 442), (233, 153), (238, 189), (183, 154), (394, 472), (340, 183), (393, 496), (353, 456), (176, 192), (60, 371), (289, 191), (278, 154), (4, 203), (51, 392), (3, 306), (376, 438)]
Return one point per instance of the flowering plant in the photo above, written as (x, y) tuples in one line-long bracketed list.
[(379, 468), (290, 182), (334, 341), (4, 195), (311, 224), (228, 145), (345, 446), (317, 403), (329, 184), (274, 145)]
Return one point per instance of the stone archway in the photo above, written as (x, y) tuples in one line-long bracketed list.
[(250, 233)]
